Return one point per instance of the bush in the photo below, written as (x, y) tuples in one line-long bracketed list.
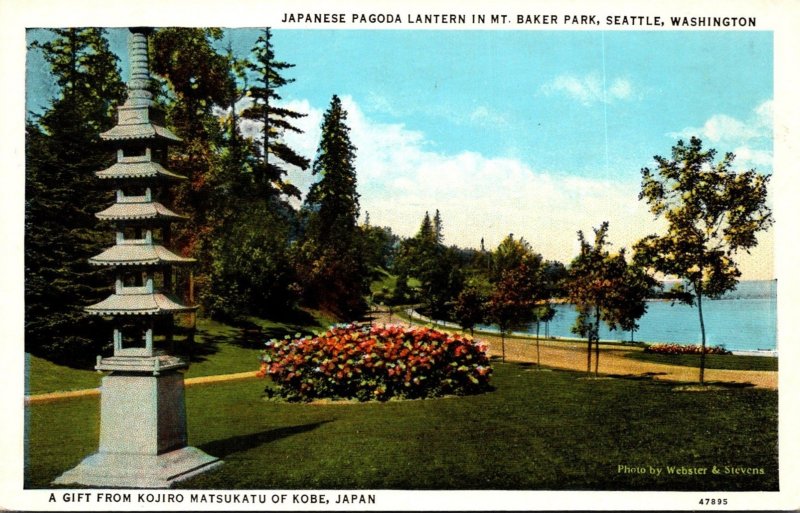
[(679, 349), (353, 362)]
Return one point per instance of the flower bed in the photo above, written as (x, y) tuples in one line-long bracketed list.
[(679, 349), (376, 363)]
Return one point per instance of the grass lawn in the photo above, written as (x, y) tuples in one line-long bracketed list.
[(713, 361), (538, 430), (385, 281), (218, 349)]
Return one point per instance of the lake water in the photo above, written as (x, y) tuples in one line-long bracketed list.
[(742, 323)]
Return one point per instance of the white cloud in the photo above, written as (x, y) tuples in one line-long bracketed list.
[(621, 89), (400, 177), (482, 115), (750, 139), (588, 89)]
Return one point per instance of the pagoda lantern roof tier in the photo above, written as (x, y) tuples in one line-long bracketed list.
[(139, 254), (154, 303), (131, 167), (138, 212), (134, 122)]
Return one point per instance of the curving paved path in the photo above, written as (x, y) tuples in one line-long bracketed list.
[(55, 396), (556, 355), (572, 356)]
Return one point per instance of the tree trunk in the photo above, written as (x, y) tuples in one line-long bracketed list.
[(503, 344), (538, 359), (596, 340), (589, 355), (699, 291)]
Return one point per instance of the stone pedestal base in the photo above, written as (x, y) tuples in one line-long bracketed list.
[(120, 470), (143, 440)]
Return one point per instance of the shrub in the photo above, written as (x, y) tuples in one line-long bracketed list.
[(679, 349), (376, 363)]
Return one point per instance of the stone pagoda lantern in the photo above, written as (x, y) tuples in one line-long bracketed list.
[(143, 439)]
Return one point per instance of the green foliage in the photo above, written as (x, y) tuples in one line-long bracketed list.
[(510, 254), (242, 227), (603, 286), (379, 246), (333, 199), (469, 308), (252, 271), (435, 266), (196, 78), (351, 362), (712, 213), (62, 152), (330, 258), (517, 276), (274, 155)]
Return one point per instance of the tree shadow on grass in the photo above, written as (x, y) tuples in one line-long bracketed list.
[(252, 335), (225, 447), (711, 386), (644, 376), (689, 386)]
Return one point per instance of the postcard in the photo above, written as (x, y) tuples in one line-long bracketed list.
[(269, 255)]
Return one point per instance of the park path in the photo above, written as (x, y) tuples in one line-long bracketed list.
[(556, 355), (55, 396), (571, 355)]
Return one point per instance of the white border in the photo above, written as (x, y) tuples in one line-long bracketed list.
[(780, 16)]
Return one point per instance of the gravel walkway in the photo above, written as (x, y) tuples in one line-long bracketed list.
[(572, 356), (555, 355)]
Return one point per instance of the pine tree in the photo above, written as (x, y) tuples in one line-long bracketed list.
[(252, 272), (332, 260), (276, 155), (62, 152), (434, 265), (438, 228)]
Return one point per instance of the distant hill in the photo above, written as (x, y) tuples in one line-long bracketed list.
[(750, 289), (755, 289)]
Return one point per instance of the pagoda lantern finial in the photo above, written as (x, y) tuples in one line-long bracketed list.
[(139, 83)]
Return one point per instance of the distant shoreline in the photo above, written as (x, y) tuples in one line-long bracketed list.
[(414, 316)]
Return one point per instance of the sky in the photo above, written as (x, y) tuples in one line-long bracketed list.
[(535, 133)]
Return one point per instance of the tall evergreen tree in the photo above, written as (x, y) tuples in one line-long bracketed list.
[(331, 258), (258, 220), (438, 227), (62, 152), (276, 154), (435, 266)]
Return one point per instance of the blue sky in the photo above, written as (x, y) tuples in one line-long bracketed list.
[(539, 133)]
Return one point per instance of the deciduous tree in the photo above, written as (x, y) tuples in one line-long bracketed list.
[(593, 283), (712, 213), (470, 308), (511, 304)]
